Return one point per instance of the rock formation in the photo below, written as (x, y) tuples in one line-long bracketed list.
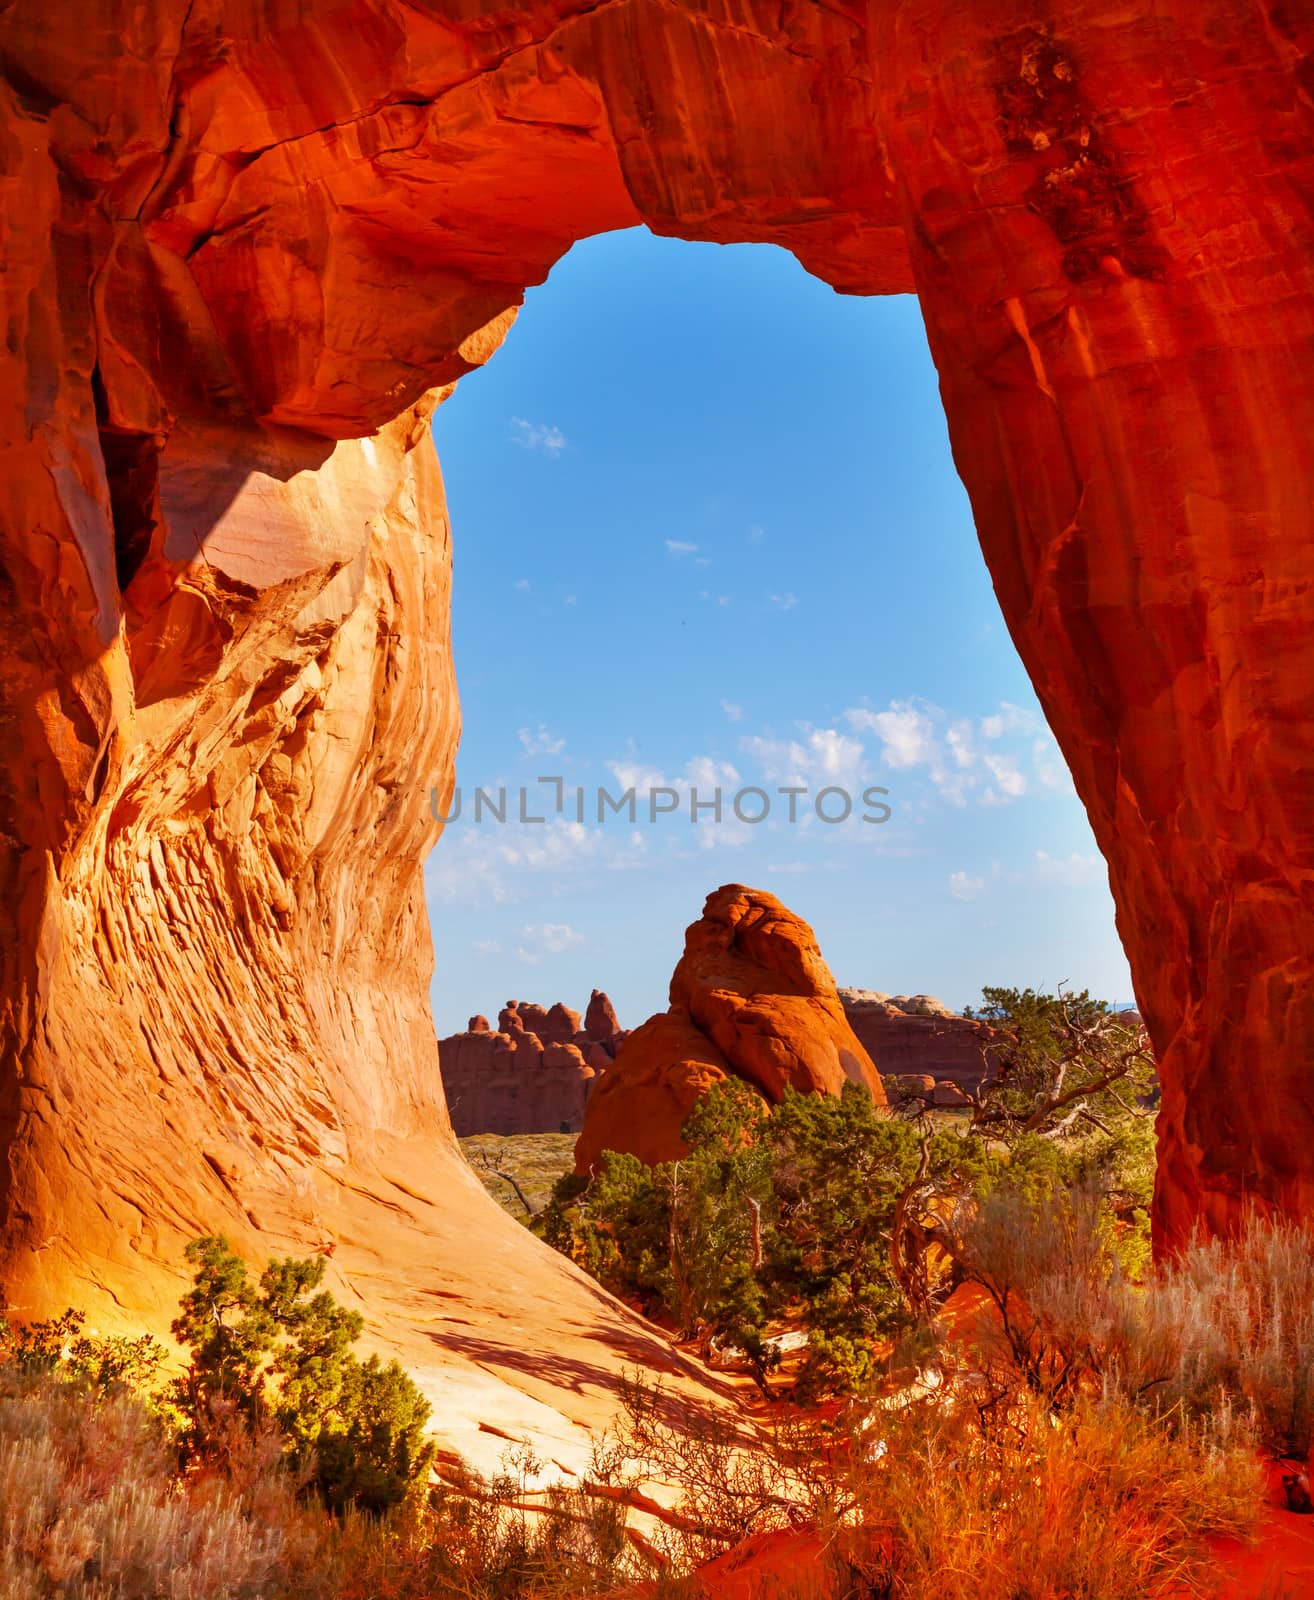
[(600, 1020), (534, 1075), (910, 1036), (245, 248), (750, 997)]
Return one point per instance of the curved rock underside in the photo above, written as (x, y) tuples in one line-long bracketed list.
[(751, 998), (247, 242)]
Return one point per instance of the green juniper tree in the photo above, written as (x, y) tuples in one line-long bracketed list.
[(278, 1354)]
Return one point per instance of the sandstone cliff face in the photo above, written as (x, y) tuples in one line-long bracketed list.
[(243, 242), (534, 1075), (913, 1036), (751, 998)]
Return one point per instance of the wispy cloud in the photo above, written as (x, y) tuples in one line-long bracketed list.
[(680, 547), (1011, 781), (906, 734), (1010, 719), (502, 866), (541, 743), (783, 602), (733, 712), (819, 758), (542, 437), (1069, 872), (522, 583), (994, 760), (965, 887), (487, 947), (547, 938)]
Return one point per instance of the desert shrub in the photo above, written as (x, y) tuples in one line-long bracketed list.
[(1069, 1105), (683, 1239), (1232, 1321), (845, 1219), (91, 1505), (1064, 1308), (735, 1478), (838, 1167), (1227, 1326), (102, 1362), (276, 1354), (771, 1217), (968, 1493), (1099, 1501)]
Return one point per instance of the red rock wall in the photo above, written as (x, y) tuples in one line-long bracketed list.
[(1113, 247), (235, 233), (534, 1075), (909, 1043)]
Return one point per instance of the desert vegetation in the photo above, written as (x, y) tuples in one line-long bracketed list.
[(996, 1395), (847, 1222), (519, 1170)]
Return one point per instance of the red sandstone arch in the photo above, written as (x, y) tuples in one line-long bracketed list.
[(241, 235)]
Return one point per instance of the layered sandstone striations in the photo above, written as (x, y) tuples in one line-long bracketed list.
[(913, 1036), (535, 1074), (751, 998), (242, 244)]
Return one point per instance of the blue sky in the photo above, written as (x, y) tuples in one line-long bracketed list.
[(708, 533)]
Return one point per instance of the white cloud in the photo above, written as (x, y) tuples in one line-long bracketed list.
[(680, 547), (522, 583), (634, 775), (964, 887), (959, 740), (783, 602), (1070, 872), (996, 760), (822, 758), (1006, 773), (550, 938), (541, 743), (706, 773), (723, 599), (906, 733), (543, 437), (733, 712), (703, 773), (487, 947), (496, 864), (1010, 719), (702, 779)]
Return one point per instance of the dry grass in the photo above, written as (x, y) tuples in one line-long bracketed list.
[(1227, 1326), (534, 1160), (1233, 1319), (1099, 1502), (973, 1493), (91, 1506)]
